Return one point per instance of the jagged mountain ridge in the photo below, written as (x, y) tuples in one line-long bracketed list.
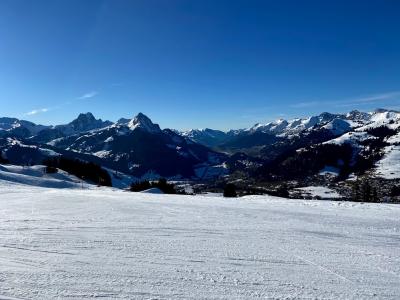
[(357, 142), (23, 128), (338, 123), (140, 147), (13, 127), (83, 123), (208, 137), (136, 146), (370, 146)]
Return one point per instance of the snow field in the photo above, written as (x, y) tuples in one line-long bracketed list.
[(78, 244)]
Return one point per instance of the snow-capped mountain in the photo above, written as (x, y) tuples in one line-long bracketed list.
[(83, 123), (136, 146), (378, 139), (143, 122), (13, 127), (21, 128), (354, 142), (336, 124), (208, 137), (285, 144), (367, 144), (262, 133)]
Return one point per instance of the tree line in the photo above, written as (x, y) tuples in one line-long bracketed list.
[(82, 169), (161, 184)]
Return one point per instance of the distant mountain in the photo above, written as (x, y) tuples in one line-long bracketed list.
[(352, 143), (136, 146), (284, 145), (13, 127), (140, 147), (83, 123), (143, 122), (123, 121), (208, 137), (369, 143), (266, 134), (20, 128)]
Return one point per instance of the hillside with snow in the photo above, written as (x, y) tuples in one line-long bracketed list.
[(37, 176), (356, 145), (113, 244), (270, 141)]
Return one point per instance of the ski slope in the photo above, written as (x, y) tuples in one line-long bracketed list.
[(110, 244), (36, 176)]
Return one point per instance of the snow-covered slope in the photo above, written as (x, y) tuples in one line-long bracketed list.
[(36, 176), (377, 132), (351, 138), (318, 192), (389, 166), (120, 245)]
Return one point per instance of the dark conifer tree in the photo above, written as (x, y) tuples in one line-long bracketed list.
[(230, 190), (374, 196), (366, 191), (356, 192), (282, 191)]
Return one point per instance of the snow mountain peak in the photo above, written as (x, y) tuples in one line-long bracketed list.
[(143, 122)]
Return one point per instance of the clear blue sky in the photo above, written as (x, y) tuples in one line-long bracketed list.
[(219, 64)]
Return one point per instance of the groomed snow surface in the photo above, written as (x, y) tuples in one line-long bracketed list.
[(77, 244)]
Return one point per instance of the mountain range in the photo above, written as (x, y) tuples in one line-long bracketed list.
[(344, 144)]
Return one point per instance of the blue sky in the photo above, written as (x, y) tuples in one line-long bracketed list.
[(186, 64)]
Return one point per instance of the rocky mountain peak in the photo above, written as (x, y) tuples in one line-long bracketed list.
[(143, 122)]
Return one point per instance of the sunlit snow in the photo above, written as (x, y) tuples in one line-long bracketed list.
[(77, 244)]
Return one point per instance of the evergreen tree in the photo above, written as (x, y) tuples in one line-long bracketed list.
[(140, 186), (82, 169), (282, 191), (374, 196), (366, 191), (50, 170), (230, 190), (161, 184), (395, 191), (356, 192), (164, 186)]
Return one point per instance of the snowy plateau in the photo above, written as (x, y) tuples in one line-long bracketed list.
[(86, 242)]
